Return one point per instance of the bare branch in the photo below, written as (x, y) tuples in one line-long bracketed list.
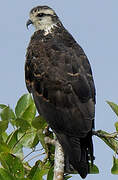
[(35, 156), (59, 159), (59, 162)]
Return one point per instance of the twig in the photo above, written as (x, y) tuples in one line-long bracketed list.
[(110, 139), (36, 156), (28, 155), (27, 167), (33, 151), (102, 134)]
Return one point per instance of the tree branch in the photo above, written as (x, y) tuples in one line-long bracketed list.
[(111, 139), (59, 162), (59, 159), (103, 134)]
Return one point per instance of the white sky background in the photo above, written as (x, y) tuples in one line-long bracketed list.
[(94, 25)]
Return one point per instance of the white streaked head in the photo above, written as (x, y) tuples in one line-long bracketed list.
[(43, 18)]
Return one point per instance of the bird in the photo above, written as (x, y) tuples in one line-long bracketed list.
[(59, 77)]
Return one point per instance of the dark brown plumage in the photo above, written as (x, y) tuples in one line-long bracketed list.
[(58, 75)]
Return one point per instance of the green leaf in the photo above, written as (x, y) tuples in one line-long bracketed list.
[(113, 106), (5, 175), (3, 126), (38, 171), (27, 139), (33, 170), (19, 153), (39, 174), (2, 106), (50, 173), (4, 147), (23, 124), (39, 123), (41, 137), (12, 139), (114, 169), (35, 141), (12, 164), (93, 169), (4, 136), (7, 114), (116, 125), (14, 144), (22, 104), (67, 177), (30, 112), (25, 108), (11, 115)]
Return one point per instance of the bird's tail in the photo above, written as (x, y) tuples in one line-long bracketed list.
[(77, 151)]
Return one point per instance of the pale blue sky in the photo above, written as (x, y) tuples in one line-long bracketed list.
[(94, 25)]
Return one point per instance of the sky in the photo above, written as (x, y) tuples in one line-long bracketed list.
[(94, 25)]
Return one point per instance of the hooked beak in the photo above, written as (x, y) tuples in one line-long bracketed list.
[(28, 23)]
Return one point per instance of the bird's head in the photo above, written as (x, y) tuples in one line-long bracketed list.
[(43, 18)]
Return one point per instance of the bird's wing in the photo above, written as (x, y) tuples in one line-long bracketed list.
[(87, 68), (61, 76)]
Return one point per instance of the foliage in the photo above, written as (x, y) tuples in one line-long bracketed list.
[(28, 131), (114, 139)]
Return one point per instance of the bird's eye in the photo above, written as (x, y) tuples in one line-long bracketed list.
[(40, 15)]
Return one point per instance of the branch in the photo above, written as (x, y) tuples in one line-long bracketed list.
[(110, 139), (103, 134), (59, 159), (35, 156), (59, 162)]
